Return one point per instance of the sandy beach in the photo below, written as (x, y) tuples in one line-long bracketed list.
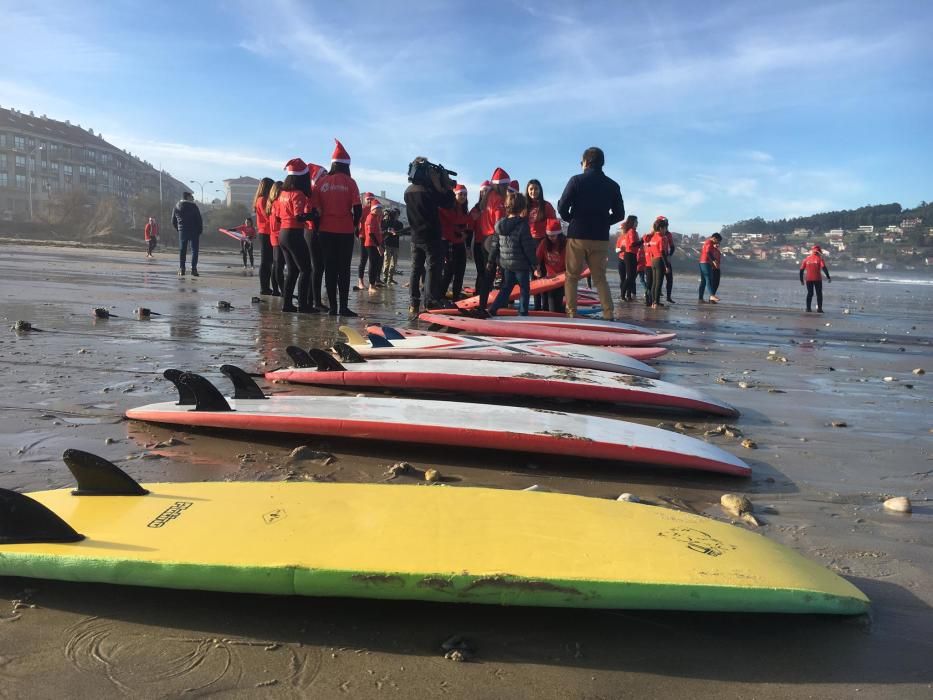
[(818, 489)]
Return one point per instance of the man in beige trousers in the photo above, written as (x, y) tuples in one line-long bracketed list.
[(591, 203)]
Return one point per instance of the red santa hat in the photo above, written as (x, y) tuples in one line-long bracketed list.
[(515, 187), (553, 228), (460, 187), (340, 154), (317, 172), (816, 249), (368, 196), (499, 177), (376, 205), (485, 186), (296, 166)]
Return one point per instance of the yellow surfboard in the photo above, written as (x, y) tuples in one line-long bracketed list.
[(421, 542)]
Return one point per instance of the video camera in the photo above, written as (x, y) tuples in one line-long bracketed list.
[(420, 169)]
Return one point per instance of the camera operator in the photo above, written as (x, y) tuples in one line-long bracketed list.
[(431, 189)]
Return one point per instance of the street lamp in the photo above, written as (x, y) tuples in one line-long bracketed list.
[(201, 185), (29, 175)]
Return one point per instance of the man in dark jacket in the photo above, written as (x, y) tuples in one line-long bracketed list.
[(430, 190), (591, 203), (186, 219)]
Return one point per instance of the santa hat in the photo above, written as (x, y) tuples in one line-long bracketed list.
[(553, 228), (515, 187), (460, 187), (376, 205), (368, 196), (485, 186), (816, 249), (499, 177), (296, 166), (340, 154), (317, 172), (662, 218)]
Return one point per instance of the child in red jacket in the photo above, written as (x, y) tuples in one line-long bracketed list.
[(552, 259)]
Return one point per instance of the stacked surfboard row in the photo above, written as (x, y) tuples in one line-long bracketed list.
[(345, 539)]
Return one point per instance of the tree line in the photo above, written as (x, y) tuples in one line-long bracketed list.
[(877, 215)]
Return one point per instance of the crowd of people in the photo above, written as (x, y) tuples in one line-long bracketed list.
[(307, 226)]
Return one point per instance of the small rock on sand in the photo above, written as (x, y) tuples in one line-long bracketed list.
[(432, 475), (629, 498), (306, 453), (898, 504), (889, 379), (839, 424), (749, 444), (920, 370), (735, 505)]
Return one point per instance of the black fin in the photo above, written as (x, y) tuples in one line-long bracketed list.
[(186, 397), (390, 333), (243, 385), (377, 341), (98, 477), (325, 361), (24, 520), (206, 395), (300, 357), (348, 354)]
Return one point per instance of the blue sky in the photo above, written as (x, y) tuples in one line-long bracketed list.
[(708, 112)]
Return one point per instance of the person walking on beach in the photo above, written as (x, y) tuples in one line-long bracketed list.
[(337, 203), (186, 219), (810, 270), (709, 264), (151, 235), (591, 204), (368, 198), (246, 243), (262, 228), (627, 245), (517, 253)]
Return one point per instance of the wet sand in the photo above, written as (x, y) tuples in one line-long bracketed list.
[(820, 489)]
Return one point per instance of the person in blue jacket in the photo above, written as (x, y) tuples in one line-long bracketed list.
[(186, 219)]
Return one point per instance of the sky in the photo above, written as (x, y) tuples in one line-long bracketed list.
[(708, 113)]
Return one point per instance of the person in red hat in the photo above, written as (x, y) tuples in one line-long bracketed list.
[(456, 224), (312, 240), (810, 270), (337, 202), (493, 209), (591, 203), (514, 187), (292, 210), (265, 244), (368, 198), (373, 241), (552, 258), (277, 275)]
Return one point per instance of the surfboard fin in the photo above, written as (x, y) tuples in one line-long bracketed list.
[(390, 333), (98, 477), (348, 354), (186, 397), (24, 520), (378, 341), (353, 335), (300, 357), (325, 361), (243, 385), (206, 395)]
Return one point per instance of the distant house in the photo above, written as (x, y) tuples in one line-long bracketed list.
[(910, 223), (866, 229), (894, 229), (241, 190), (788, 255), (760, 253), (801, 233), (837, 233)]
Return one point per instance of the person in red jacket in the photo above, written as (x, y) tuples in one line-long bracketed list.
[(337, 206), (492, 209), (810, 270), (292, 209), (655, 244), (640, 267), (540, 211), (368, 198), (246, 243), (456, 224), (552, 261), (373, 241), (627, 245), (265, 244), (709, 265), (151, 235), (277, 274)]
